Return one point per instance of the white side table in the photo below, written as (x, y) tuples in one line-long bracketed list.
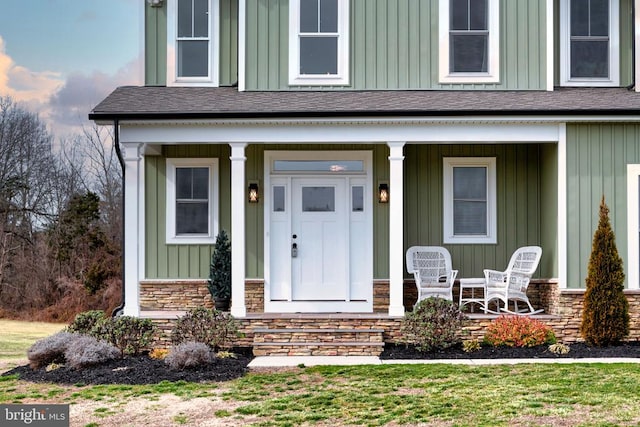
[(472, 286)]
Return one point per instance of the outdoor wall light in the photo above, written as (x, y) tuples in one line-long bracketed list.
[(254, 196), (155, 3), (383, 193)]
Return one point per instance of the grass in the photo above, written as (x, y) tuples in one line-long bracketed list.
[(17, 336), (439, 395)]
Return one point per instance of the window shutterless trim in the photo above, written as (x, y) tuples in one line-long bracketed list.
[(614, 48), (212, 79), (449, 163), (341, 78), (493, 44), (205, 238)]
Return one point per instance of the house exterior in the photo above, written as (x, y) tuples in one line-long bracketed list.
[(361, 128)]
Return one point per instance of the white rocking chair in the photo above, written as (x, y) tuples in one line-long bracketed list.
[(431, 268), (512, 284)]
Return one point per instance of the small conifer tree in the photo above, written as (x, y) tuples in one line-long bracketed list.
[(605, 317)]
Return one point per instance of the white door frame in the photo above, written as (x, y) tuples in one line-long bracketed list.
[(360, 228)]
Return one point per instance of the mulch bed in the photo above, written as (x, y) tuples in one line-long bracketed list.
[(144, 370)]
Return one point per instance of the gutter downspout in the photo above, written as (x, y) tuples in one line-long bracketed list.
[(116, 141)]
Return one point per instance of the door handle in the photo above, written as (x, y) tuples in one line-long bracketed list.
[(294, 250)]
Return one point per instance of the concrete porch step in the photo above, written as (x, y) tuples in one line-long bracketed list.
[(317, 342)]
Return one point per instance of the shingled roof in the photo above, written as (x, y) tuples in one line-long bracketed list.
[(154, 102)]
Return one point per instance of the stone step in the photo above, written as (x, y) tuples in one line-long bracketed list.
[(317, 342)]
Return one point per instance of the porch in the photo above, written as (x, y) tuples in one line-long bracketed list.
[(355, 334)]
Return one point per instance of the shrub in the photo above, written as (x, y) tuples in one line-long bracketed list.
[(559, 348), (131, 335), (50, 349), (189, 354), (209, 326), (605, 318), (433, 324), (158, 353), (87, 351), (518, 331), (86, 321), (470, 346)]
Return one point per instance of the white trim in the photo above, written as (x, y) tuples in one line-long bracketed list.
[(339, 79), (242, 44), (207, 238), (214, 53), (614, 49), (396, 228), (489, 163), (550, 48), (493, 67), (562, 206), (633, 226), (238, 242), (133, 195)]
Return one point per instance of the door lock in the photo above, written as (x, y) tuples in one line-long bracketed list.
[(294, 250)]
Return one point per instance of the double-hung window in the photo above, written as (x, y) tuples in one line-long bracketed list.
[(589, 43), (192, 50), (469, 199), (469, 41), (192, 200), (318, 42)]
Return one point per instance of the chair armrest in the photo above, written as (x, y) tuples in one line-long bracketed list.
[(494, 276)]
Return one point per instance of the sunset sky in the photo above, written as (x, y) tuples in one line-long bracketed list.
[(59, 58)]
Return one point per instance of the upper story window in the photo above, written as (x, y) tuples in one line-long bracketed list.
[(192, 200), (192, 50), (319, 42), (469, 198), (589, 50), (469, 41)]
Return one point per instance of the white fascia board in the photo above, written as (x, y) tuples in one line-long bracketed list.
[(339, 132)]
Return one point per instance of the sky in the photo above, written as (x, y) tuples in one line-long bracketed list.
[(59, 58)]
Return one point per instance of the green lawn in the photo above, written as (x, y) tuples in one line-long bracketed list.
[(17, 336)]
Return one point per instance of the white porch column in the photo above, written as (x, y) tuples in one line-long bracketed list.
[(133, 227), (636, 44), (396, 228), (238, 159)]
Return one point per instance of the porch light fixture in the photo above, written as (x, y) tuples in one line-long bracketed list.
[(383, 193), (254, 196), (155, 3)]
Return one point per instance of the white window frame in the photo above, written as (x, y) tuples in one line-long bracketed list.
[(492, 214), (614, 49), (339, 79), (493, 67), (205, 238), (172, 47)]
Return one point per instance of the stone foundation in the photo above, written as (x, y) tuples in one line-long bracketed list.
[(163, 301)]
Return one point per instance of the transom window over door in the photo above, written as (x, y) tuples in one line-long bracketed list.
[(318, 43), (469, 41), (469, 199), (192, 44), (589, 42)]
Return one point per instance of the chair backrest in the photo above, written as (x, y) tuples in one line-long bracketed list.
[(431, 263), (525, 260)]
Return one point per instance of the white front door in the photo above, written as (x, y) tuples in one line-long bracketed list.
[(319, 259), (318, 232)]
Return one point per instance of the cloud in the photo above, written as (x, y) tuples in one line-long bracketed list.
[(62, 103)]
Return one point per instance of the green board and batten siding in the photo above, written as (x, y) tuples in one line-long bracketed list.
[(597, 159), (156, 44), (522, 186), (394, 45)]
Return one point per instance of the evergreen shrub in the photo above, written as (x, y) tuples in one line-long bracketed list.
[(435, 323), (189, 354), (84, 322), (85, 351), (217, 329), (131, 335), (605, 316), (518, 331)]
